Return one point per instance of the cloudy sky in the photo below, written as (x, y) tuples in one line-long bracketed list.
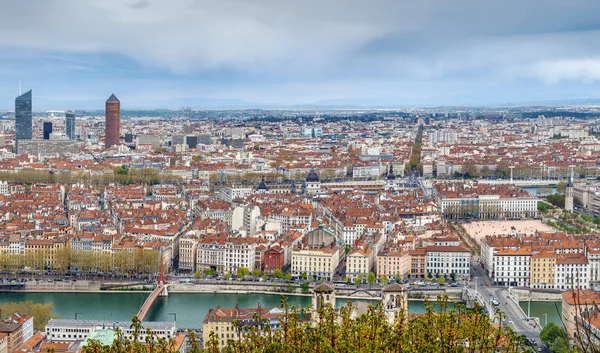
[(160, 53)]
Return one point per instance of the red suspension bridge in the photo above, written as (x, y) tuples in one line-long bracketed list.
[(160, 290)]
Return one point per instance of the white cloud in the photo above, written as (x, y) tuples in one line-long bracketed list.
[(586, 70)]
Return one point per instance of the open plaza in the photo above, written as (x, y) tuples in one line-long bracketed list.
[(479, 230)]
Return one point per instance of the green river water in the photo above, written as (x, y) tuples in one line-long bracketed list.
[(189, 308)]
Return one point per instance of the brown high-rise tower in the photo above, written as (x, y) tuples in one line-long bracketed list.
[(113, 122)]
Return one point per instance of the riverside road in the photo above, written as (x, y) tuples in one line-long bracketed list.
[(515, 318)]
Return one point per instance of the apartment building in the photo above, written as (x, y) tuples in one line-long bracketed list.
[(368, 171), (318, 263), (587, 196), (274, 258), (229, 324), (512, 267), (482, 201), (360, 259), (543, 270), (27, 324), (215, 209), (92, 242), (240, 252), (164, 192), (187, 252), (593, 255), (228, 194), (448, 260), (210, 254), (318, 254), (572, 271), (14, 333), (48, 249), (490, 245), (290, 217), (575, 305), (392, 261), (225, 254), (418, 263)]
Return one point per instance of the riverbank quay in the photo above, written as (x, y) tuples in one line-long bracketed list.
[(347, 292), (231, 287), (537, 295), (239, 287)]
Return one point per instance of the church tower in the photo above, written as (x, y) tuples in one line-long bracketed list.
[(323, 295), (395, 301), (569, 192)]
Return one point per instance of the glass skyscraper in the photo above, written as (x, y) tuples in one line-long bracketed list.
[(47, 130), (70, 124), (22, 118)]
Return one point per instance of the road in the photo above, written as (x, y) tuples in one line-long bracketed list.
[(515, 318)]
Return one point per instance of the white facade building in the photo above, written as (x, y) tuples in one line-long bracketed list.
[(225, 255), (372, 171), (572, 271), (4, 190), (512, 267), (66, 331), (445, 260), (489, 207), (236, 192)]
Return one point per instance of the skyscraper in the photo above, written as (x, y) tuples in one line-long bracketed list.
[(70, 124), (187, 129), (113, 121), (47, 130), (22, 118)]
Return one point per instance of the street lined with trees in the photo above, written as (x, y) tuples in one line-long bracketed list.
[(144, 261)]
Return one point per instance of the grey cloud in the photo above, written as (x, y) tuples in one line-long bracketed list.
[(326, 40), (140, 5)]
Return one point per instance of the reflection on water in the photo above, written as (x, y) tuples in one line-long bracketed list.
[(188, 308), (538, 309)]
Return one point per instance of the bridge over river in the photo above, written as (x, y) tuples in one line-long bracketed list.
[(160, 290)]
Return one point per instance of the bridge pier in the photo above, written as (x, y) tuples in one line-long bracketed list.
[(164, 292)]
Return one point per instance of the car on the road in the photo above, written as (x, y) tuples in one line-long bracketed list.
[(510, 322), (540, 349)]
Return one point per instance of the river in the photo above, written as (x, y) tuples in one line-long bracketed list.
[(538, 309), (190, 308)]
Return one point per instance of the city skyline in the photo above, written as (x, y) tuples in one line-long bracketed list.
[(162, 55)]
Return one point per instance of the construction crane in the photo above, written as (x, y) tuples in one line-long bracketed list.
[(187, 111)]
